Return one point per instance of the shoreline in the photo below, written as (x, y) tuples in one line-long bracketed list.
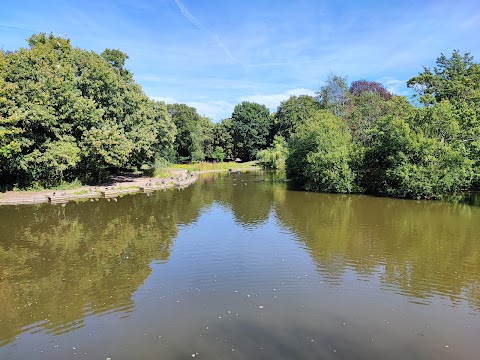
[(120, 185)]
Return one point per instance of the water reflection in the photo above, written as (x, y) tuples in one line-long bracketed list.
[(59, 264), (227, 237), (420, 249)]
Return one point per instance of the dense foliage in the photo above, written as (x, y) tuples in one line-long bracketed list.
[(274, 157), (67, 113), (195, 133), (430, 151), (320, 155), (251, 124), (293, 112)]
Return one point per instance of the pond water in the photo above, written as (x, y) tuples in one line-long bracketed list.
[(238, 267)]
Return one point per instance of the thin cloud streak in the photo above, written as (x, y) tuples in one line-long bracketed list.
[(187, 14)]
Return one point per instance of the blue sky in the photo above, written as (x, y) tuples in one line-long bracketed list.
[(213, 54)]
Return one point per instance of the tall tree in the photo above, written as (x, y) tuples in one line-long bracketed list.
[(223, 137), (334, 96), (251, 124), (359, 87), (456, 80), (194, 132), (293, 112), (67, 113)]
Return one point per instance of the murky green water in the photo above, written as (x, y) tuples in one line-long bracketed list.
[(237, 267)]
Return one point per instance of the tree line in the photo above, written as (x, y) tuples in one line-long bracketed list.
[(68, 113)]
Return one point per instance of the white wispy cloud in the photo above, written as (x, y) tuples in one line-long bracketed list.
[(221, 109), (395, 86), (215, 110), (166, 99), (187, 14), (273, 100)]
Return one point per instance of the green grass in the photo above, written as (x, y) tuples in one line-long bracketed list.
[(75, 184), (162, 173), (81, 192)]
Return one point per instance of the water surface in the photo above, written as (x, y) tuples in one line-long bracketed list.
[(239, 267)]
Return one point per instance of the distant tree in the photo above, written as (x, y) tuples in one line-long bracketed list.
[(251, 124), (293, 112), (195, 133), (334, 96), (208, 134), (218, 154), (371, 87), (275, 156), (223, 137)]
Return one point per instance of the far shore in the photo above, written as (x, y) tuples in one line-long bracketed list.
[(118, 186)]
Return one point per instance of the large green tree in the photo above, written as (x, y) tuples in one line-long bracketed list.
[(251, 124), (223, 137), (320, 153), (455, 79), (195, 133), (68, 113), (293, 112), (418, 156)]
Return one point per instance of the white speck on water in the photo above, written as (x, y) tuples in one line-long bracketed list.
[(447, 346), (261, 307)]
